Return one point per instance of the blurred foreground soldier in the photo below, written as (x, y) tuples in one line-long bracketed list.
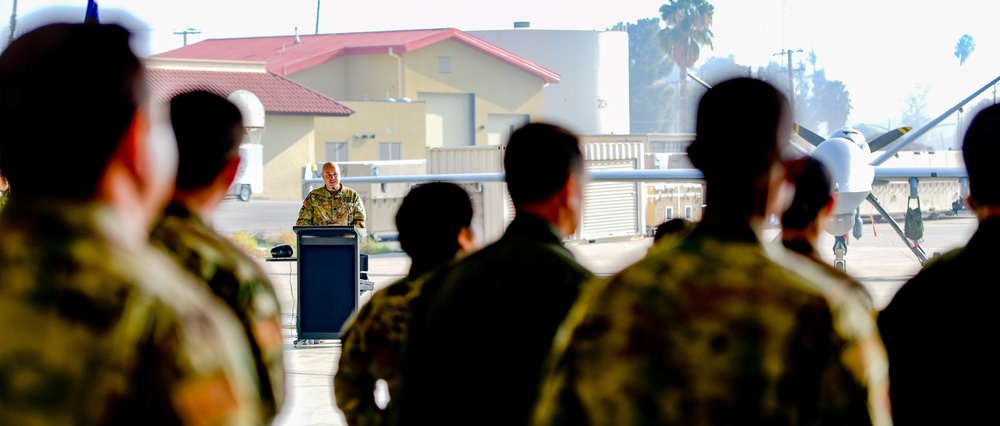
[(942, 360), (808, 217), (208, 129), (4, 191), (434, 224), (481, 329), (708, 329), (332, 204), (98, 326), (672, 228)]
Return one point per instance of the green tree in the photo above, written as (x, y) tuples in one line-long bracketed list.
[(650, 98), (716, 70), (914, 115), (687, 28), (13, 23), (964, 48), (829, 102)]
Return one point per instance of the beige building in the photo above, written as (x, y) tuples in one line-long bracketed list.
[(409, 90), (292, 112)]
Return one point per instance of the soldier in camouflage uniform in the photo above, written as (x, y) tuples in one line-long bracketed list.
[(208, 130), (434, 223), (455, 369), (711, 328), (333, 204), (4, 192), (98, 327), (939, 326), (808, 216)]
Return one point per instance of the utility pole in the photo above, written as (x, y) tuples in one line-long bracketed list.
[(186, 32), (317, 16), (791, 81)]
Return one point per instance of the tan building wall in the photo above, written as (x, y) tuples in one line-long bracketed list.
[(498, 87), (289, 144), (401, 122), (327, 78)]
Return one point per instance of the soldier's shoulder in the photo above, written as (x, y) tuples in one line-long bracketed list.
[(349, 191)]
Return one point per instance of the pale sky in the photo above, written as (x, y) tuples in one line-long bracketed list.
[(880, 49)]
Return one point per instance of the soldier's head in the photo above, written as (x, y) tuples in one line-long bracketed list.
[(813, 193), (980, 149), (435, 223), (208, 129), (741, 126), (331, 176), (76, 91), (544, 170)]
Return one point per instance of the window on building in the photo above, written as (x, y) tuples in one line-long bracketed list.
[(337, 152), (688, 210), (668, 213), (444, 64), (390, 151)]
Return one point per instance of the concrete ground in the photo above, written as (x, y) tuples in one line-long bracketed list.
[(879, 259)]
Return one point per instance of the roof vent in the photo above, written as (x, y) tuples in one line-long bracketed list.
[(297, 41)]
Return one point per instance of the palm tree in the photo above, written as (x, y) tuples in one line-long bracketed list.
[(964, 48), (688, 27)]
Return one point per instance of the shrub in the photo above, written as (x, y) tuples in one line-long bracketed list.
[(247, 244)]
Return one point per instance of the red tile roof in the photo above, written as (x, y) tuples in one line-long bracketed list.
[(284, 56), (278, 94)]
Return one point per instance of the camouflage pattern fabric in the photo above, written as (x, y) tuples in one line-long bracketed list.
[(239, 281), (710, 329), (371, 349), (517, 290), (3, 199), (100, 329), (341, 208), (806, 249), (937, 330)]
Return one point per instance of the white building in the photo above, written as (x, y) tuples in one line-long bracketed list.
[(592, 95)]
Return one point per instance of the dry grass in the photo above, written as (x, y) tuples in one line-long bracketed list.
[(247, 244)]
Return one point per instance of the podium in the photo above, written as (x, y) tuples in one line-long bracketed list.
[(328, 280)]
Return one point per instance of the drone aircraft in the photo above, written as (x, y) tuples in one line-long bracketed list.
[(846, 152)]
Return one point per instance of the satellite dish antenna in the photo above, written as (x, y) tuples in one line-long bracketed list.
[(250, 106)]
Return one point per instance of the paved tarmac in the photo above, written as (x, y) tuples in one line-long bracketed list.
[(880, 260)]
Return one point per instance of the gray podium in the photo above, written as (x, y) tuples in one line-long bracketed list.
[(329, 280)]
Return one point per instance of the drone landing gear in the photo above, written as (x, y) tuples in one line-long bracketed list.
[(839, 252)]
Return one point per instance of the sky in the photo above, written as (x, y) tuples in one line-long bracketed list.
[(882, 50)]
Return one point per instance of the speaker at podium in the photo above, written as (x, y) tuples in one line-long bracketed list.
[(329, 280)]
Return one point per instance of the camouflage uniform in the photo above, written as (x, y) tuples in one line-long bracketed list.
[(806, 249), (938, 331), (372, 349), (518, 288), (241, 283), (340, 208), (712, 330), (100, 330)]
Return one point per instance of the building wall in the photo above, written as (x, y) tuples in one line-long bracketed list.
[(289, 144), (327, 78), (592, 96), (496, 87), (402, 122)]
